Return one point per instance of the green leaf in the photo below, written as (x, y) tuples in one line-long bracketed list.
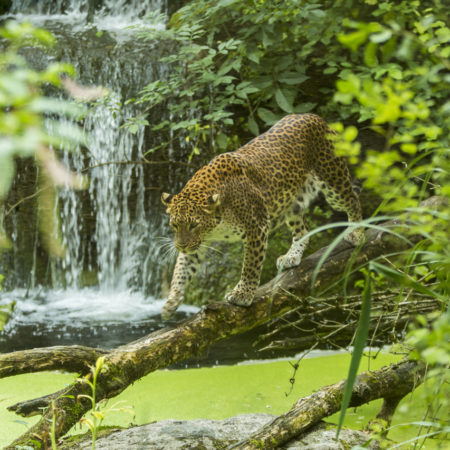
[(16, 88), (350, 84), (353, 40), (350, 133), (267, 116), (56, 106), (292, 78), (378, 38), (362, 333), (242, 93), (254, 56), (283, 102), (262, 82), (303, 108), (65, 134), (225, 68), (267, 40), (225, 3), (222, 141), (370, 54), (253, 126), (133, 128), (402, 279)]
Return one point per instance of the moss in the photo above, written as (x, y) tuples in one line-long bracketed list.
[(256, 444), (87, 437)]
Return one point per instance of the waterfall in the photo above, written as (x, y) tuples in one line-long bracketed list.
[(106, 14), (111, 229), (119, 239)]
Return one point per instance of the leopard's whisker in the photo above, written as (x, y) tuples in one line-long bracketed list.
[(211, 248), (172, 253), (162, 238), (168, 250)]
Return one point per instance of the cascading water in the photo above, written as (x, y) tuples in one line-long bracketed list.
[(111, 271), (105, 14)]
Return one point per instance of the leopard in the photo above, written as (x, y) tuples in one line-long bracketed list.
[(247, 193)]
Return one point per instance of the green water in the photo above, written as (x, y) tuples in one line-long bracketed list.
[(216, 393)]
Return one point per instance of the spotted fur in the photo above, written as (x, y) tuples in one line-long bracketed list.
[(244, 194)]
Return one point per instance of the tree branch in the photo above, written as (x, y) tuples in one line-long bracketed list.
[(394, 381), (35, 406), (333, 321), (74, 358)]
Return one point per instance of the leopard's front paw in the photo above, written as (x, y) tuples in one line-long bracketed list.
[(356, 237), (166, 312), (240, 296), (169, 308), (287, 261)]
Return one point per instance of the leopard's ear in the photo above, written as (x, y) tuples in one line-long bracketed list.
[(166, 198), (213, 203)]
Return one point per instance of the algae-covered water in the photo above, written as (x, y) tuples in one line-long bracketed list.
[(220, 392)]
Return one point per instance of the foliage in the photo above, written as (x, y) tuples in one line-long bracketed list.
[(361, 335), (402, 90), (33, 123), (6, 311), (97, 412), (238, 66), (431, 344)]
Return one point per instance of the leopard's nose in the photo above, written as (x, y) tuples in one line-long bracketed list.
[(186, 247), (181, 248)]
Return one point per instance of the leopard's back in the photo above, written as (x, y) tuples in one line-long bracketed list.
[(289, 159)]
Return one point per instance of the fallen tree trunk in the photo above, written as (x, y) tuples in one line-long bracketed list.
[(72, 358), (219, 320), (394, 381)]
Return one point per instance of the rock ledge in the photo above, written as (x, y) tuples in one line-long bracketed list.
[(218, 434)]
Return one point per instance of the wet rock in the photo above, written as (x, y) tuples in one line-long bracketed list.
[(218, 434)]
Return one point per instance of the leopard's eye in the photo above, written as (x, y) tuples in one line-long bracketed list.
[(173, 225), (193, 225)]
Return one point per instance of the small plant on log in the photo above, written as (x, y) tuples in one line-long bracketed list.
[(98, 411)]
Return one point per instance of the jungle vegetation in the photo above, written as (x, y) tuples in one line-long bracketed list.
[(379, 70)]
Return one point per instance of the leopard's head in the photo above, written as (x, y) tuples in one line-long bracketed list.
[(191, 218)]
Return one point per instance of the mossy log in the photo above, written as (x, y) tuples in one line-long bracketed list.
[(394, 381), (219, 320)]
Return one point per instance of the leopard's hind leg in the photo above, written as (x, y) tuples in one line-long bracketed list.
[(296, 224), (335, 183), (295, 221)]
